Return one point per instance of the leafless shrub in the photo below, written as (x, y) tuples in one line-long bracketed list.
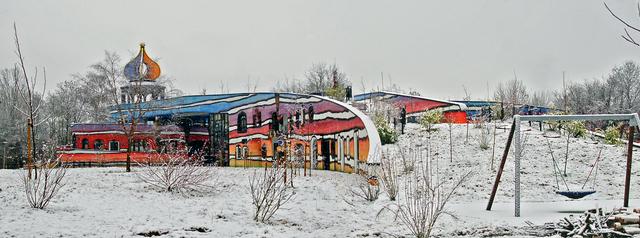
[(478, 124), (485, 136), (366, 187), (408, 161), (389, 176), (41, 189), (424, 201), (269, 191), (174, 173)]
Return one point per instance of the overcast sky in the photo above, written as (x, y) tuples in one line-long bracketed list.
[(434, 47)]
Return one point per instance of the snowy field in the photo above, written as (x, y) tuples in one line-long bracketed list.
[(107, 202)]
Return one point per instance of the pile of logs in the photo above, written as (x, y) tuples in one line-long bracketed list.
[(621, 222)]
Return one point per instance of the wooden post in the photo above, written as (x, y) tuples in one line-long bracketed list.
[(29, 158), (627, 178), (501, 168)]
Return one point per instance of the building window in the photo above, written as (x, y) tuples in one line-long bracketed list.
[(97, 145), (114, 145), (257, 118), (245, 152), (85, 143), (139, 146), (310, 113), (242, 122), (274, 121)]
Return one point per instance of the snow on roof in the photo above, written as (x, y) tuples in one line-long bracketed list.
[(462, 106)]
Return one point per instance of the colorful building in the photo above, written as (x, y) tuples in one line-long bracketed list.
[(417, 105), (237, 129)]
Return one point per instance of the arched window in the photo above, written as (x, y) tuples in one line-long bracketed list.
[(257, 118), (97, 145), (114, 145), (85, 143), (242, 122)]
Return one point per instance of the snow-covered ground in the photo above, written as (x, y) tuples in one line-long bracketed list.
[(107, 202), (538, 181)]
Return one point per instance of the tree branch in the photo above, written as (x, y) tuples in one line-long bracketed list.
[(620, 19)]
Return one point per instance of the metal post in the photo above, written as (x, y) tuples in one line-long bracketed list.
[(4, 155), (518, 148), (505, 154), (627, 178)]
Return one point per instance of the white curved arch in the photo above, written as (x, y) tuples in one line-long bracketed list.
[(372, 133)]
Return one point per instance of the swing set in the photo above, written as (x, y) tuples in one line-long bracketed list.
[(574, 194), (633, 122)]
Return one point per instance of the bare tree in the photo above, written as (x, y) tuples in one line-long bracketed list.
[(252, 85), (31, 99), (540, 98), (467, 95), (268, 191), (65, 107), (12, 126), (322, 78), (619, 92), (511, 95), (289, 85), (173, 172)]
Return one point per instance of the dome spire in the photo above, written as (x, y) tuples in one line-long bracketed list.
[(142, 67)]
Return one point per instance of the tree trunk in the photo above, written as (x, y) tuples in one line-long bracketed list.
[(129, 155)]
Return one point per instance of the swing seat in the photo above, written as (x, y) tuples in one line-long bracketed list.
[(576, 194)]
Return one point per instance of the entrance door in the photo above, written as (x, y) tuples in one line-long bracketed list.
[(219, 137), (326, 153)]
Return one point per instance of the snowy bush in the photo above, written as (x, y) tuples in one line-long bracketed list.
[(424, 200), (387, 134), (485, 136), (389, 176), (576, 128), (43, 185), (269, 191), (174, 172), (612, 136), (430, 118)]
